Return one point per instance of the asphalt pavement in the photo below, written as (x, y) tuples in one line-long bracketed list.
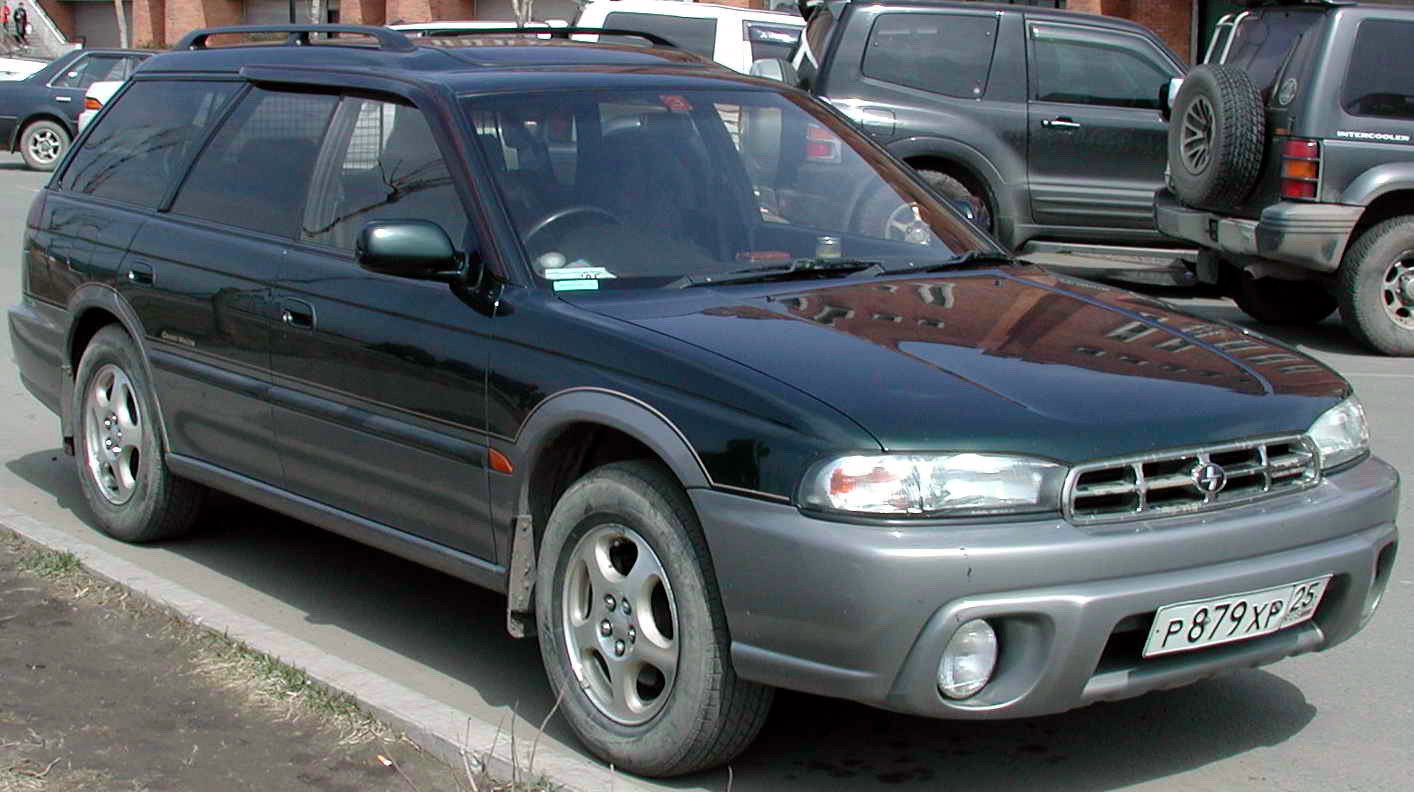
[(434, 651)]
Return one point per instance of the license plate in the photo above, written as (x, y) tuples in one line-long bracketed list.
[(1236, 617)]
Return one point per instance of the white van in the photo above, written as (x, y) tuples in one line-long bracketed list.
[(733, 37)]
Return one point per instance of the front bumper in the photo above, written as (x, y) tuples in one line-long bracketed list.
[(1312, 236), (863, 612)]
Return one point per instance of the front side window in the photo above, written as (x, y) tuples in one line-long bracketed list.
[(948, 54), (698, 36), (1379, 82), (385, 166), (636, 189), (1088, 67), (256, 171), (143, 142)]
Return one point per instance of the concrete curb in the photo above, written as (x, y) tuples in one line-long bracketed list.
[(439, 729)]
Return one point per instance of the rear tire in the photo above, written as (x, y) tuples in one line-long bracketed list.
[(649, 688), (1216, 137), (1377, 287), (1282, 302), (43, 144), (118, 447)]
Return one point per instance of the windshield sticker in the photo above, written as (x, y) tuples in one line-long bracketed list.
[(1382, 137), (580, 271), (576, 285), (675, 103)]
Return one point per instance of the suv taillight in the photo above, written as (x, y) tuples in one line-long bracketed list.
[(1300, 168)]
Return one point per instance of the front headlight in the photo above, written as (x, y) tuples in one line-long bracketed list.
[(1340, 434), (933, 484)]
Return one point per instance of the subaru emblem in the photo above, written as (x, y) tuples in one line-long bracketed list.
[(1210, 478)]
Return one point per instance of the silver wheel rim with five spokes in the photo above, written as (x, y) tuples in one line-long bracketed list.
[(620, 624), (45, 145), (1398, 290), (114, 430)]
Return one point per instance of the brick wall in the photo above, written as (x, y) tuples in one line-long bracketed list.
[(60, 13), (427, 10), (362, 12), (149, 23)]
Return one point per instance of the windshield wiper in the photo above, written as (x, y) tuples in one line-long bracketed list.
[(970, 258), (794, 270)]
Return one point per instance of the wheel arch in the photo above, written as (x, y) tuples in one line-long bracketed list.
[(43, 115), (975, 170), (565, 436), (1395, 201), (94, 307)]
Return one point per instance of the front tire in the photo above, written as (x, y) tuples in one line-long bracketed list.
[(43, 144), (632, 630), (118, 448), (1377, 287)]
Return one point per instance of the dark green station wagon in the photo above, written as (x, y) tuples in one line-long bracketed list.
[(715, 390)]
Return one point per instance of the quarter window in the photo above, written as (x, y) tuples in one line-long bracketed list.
[(385, 165), (698, 36), (1380, 82), (143, 142), (256, 172), (1092, 68), (771, 41), (948, 54)]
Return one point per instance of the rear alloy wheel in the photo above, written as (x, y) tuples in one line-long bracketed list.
[(1377, 287), (118, 448), (1216, 136), (1282, 302), (43, 144), (632, 630)]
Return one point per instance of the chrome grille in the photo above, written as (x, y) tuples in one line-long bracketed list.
[(1158, 485)]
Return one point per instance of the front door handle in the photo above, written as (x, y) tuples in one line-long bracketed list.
[(1059, 123), (140, 273), (297, 313)]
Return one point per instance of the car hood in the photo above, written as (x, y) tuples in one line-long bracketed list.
[(1012, 360)]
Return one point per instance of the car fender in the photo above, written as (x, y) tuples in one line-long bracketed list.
[(1005, 183), (101, 297), (1378, 181), (46, 113)]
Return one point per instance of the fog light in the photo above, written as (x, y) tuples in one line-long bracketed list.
[(968, 660)]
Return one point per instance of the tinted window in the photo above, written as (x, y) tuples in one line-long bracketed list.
[(949, 54), (1380, 82), (385, 166), (142, 143), (256, 171), (88, 70), (771, 41), (1096, 68), (694, 35)]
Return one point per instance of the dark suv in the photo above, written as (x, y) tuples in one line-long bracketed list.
[(1292, 164), (1046, 120), (716, 391)]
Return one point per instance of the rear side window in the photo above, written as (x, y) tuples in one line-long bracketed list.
[(256, 172), (948, 54), (1093, 68), (143, 142), (1379, 82), (385, 165), (771, 41), (698, 36)]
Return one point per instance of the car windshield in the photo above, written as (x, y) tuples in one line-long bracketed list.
[(615, 189)]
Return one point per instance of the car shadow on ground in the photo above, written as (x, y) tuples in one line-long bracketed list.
[(810, 743)]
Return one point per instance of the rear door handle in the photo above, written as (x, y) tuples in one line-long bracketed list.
[(1059, 123), (297, 313)]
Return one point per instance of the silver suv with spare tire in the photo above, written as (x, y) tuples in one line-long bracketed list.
[(1291, 164)]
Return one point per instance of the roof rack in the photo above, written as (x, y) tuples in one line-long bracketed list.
[(298, 35), (558, 32)]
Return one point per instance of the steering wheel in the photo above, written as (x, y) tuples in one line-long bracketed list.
[(561, 214)]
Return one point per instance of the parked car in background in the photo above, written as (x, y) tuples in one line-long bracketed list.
[(1291, 160), (720, 395), (1047, 121), (95, 97), (39, 114), (16, 68), (734, 37), (444, 27)]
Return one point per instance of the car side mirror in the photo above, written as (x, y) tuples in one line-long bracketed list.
[(775, 69), (416, 249), (1168, 92)]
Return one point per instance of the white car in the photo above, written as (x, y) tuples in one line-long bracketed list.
[(20, 68), (445, 27), (95, 97), (733, 37)]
